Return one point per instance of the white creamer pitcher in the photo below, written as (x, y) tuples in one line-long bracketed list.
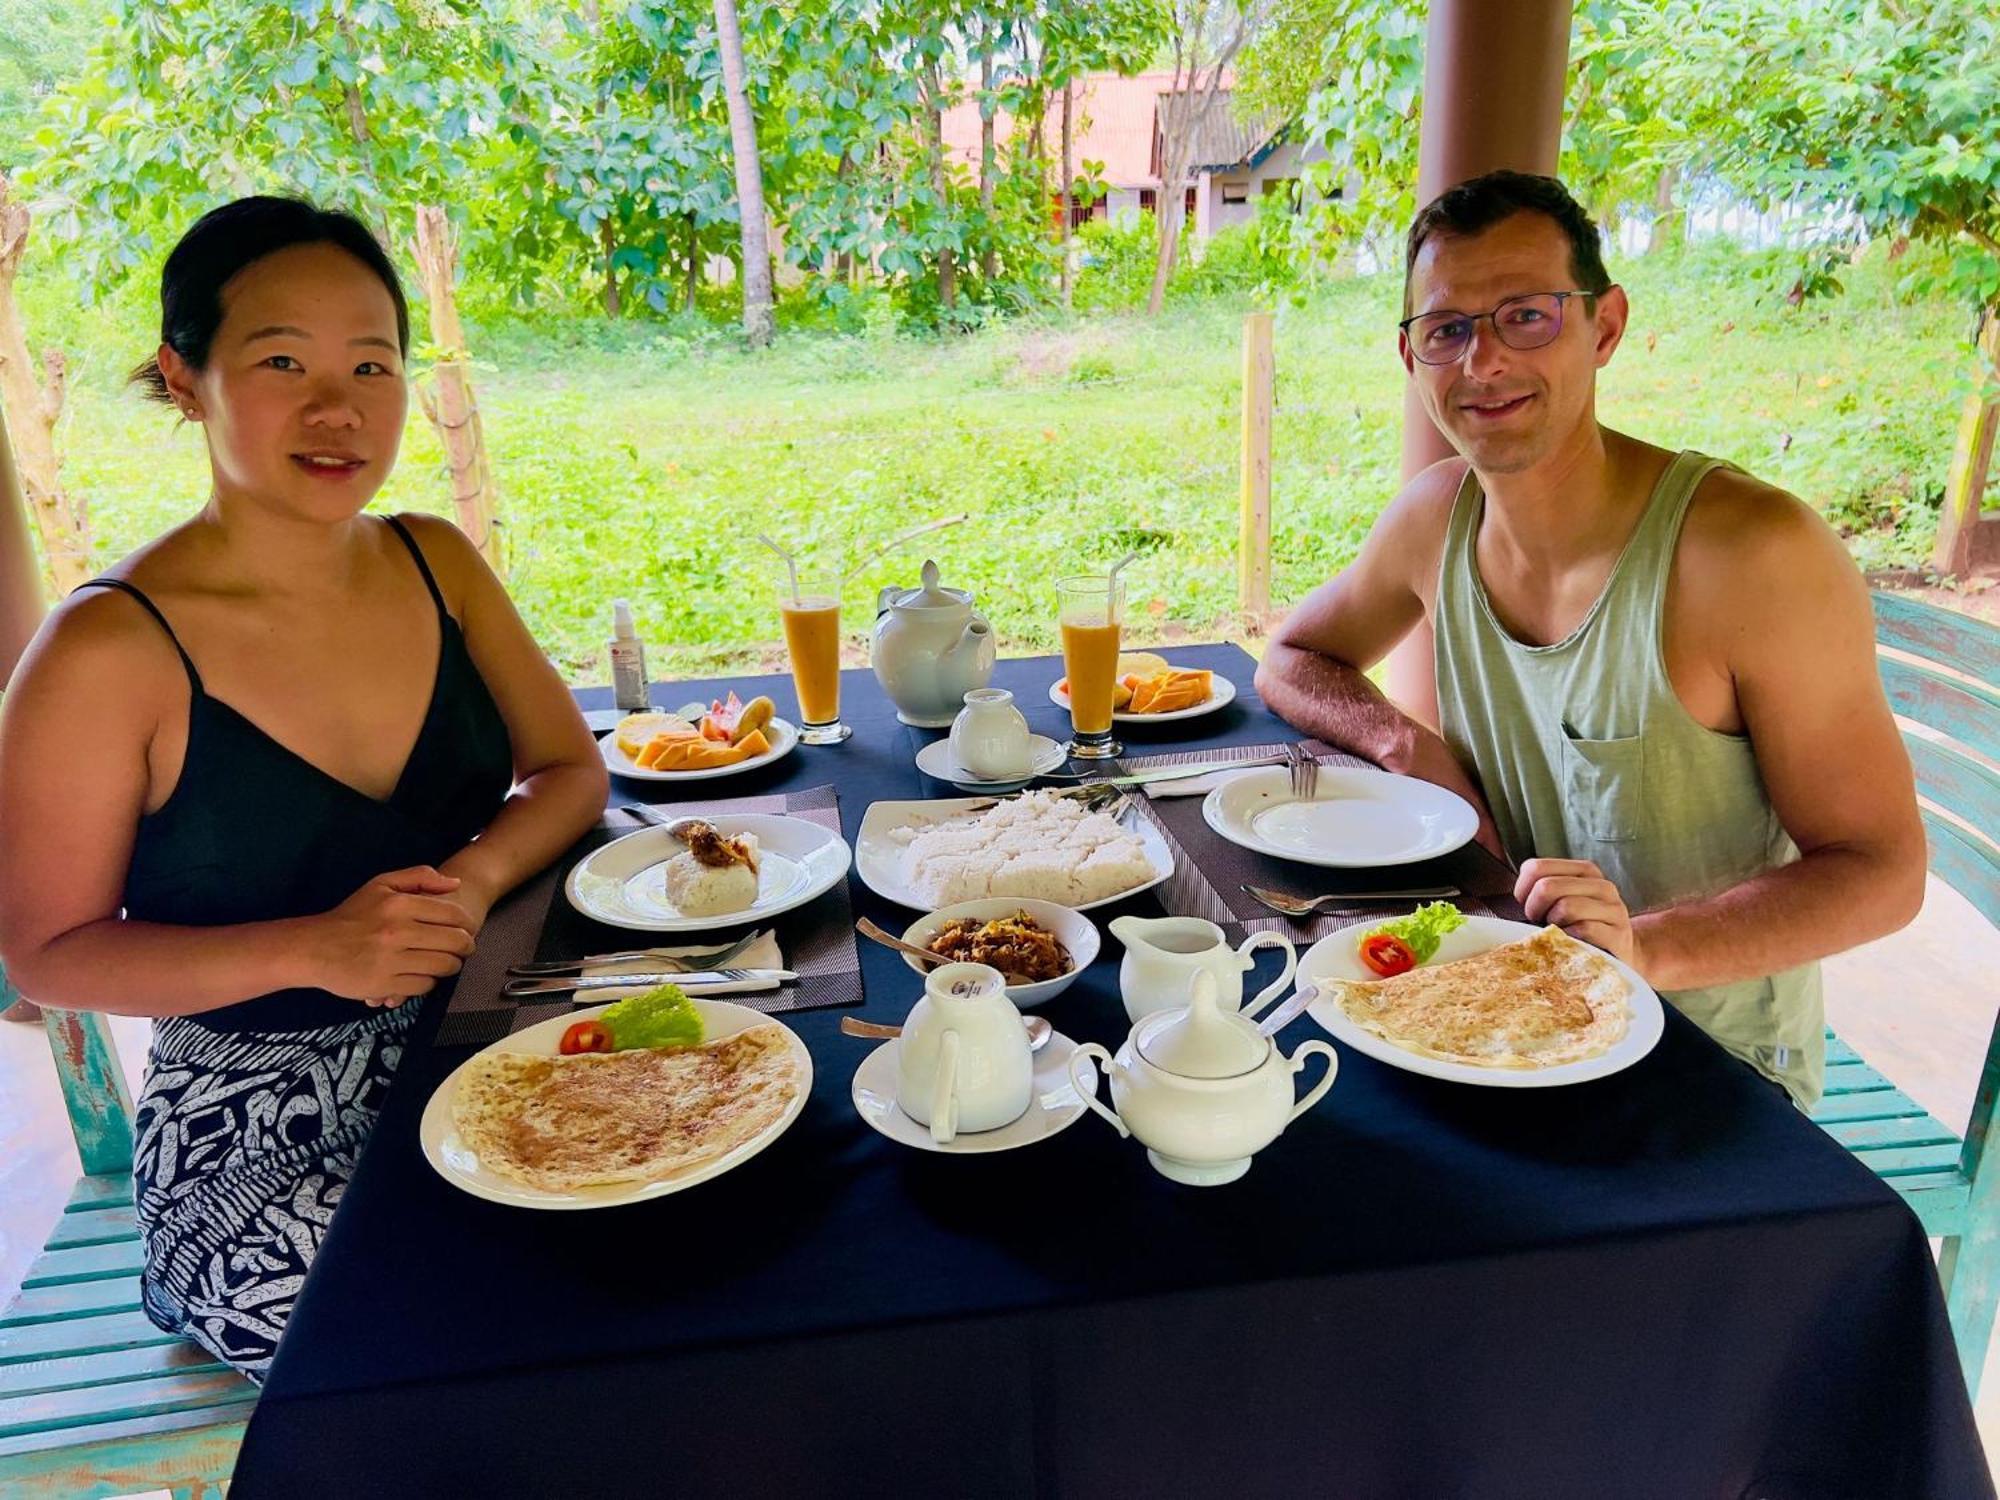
[(1163, 954)]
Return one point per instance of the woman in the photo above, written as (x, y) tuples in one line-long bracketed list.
[(254, 782)]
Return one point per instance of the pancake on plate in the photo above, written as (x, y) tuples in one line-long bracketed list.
[(1536, 1003), (558, 1123)]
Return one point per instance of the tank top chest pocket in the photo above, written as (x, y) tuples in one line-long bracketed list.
[(1603, 786)]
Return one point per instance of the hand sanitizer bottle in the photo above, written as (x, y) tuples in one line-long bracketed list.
[(628, 662)]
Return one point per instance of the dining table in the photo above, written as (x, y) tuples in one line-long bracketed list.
[(1663, 1282)]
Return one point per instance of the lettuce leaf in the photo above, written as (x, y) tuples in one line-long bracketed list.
[(664, 1017), (1424, 928)]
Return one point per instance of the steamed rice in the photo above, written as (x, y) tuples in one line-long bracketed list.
[(1039, 846)]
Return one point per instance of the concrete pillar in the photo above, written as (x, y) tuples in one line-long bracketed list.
[(1493, 97)]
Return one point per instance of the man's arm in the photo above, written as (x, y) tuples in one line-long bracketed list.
[(1313, 674), (1799, 641)]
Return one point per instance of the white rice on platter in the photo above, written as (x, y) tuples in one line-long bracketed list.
[(1040, 846)]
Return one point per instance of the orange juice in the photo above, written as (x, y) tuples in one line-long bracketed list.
[(1090, 660), (812, 636)]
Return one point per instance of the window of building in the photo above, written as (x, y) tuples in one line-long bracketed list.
[(1239, 192)]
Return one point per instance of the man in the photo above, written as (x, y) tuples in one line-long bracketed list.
[(1655, 675)]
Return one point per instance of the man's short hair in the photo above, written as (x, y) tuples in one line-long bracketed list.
[(1482, 202)]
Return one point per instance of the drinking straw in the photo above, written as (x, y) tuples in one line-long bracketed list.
[(791, 563), (1111, 587), (896, 541)]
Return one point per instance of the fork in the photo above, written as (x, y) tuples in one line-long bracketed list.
[(1305, 906), (700, 958), (1305, 773)]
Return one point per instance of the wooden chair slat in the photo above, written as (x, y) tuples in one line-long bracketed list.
[(1967, 642), (1968, 712), (1955, 781), (1903, 1130), (64, 1372), (1838, 1051), (1872, 1104), (1854, 1078), (76, 1299), (93, 1226), (112, 1190), (85, 1263), (135, 1450), (124, 1401), (1965, 864), (125, 1330), (1901, 1161)]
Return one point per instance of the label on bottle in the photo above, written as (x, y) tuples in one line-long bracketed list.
[(628, 676)]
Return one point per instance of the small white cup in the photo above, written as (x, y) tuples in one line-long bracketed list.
[(989, 737)]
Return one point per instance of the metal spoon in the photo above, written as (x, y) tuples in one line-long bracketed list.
[(1276, 1021), (869, 930), (1039, 1030)]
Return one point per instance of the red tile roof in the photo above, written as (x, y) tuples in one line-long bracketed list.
[(1114, 125)]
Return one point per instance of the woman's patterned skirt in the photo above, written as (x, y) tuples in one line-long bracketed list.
[(245, 1143)]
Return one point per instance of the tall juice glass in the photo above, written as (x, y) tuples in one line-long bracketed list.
[(1090, 613), (812, 637)]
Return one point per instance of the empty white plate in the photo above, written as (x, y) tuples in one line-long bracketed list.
[(1357, 818)]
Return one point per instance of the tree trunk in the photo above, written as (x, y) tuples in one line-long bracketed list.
[(988, 256), (357, 126), (609, 241), (30, 405), (693, 285), (1669, 225), (934, 124), (758, 321), (448, 400), (1068, 194)]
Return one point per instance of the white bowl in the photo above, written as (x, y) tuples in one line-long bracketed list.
[(1072, 929)]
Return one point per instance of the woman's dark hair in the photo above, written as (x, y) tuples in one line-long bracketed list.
[(1482, 202), (225, 240)]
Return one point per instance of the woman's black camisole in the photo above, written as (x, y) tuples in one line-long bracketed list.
[(253, 832)]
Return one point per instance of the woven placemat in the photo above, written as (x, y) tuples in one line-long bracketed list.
[(536, 922)]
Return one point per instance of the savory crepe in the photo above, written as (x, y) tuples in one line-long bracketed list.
[(637, 1116), (1545, 1000)]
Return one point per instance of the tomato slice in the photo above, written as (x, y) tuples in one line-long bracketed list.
[(585, 1036), (1387, 954)]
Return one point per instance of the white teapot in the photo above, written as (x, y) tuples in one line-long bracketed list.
[(1163, 954), (931, 648), (1202, 1088), (963, 1062)]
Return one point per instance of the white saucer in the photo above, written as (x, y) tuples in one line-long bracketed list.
[(1056, 1105), (936, 760)]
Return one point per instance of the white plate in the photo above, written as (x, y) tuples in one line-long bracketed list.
[(1072, 929), (936, 760), (1335, 957), (1221, 693), (624, 883), (459, 1165), (782, 733), (878, 859), (1055, 1107), (1357, 819)]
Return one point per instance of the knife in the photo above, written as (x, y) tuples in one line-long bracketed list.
[(760, 978)]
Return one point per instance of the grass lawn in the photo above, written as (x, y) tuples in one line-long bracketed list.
[(634, 461)]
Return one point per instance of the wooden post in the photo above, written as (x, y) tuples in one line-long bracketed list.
[(94, 1091), (32, 404), (448, 400), (1253, 536), (1978, 425)]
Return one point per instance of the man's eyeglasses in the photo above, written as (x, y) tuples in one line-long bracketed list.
[(1525, 322)]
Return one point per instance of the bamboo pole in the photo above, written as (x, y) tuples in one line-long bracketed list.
[(1253, 535), (32, 405), (448, 400), (1978, 426)]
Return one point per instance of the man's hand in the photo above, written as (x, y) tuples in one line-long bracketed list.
[(1575, 895)]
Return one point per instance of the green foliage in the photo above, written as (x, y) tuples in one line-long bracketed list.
[(42, 44), (1115, 263), (640, 457)]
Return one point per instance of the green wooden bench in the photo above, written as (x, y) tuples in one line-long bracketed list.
[(1940, 669), (94, 1400)]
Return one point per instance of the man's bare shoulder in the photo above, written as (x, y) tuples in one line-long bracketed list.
[(1424, 503), (1741, 530)]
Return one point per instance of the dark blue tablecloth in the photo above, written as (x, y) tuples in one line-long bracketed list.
[(1665, 1283)]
